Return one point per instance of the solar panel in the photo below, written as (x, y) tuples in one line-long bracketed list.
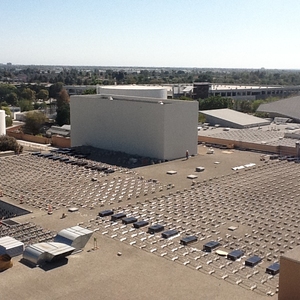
[(208, 247), (118, 216), (169, 233), (140, 224), (129, 220), (253, 261), (106, 213), (273, 269), (189, 239), (155, 228), (234, 255)]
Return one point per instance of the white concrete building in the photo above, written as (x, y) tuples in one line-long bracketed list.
[(149, 127), (2, 122)]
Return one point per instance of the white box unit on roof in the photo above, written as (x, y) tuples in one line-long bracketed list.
[(149, 127), (11, 246)]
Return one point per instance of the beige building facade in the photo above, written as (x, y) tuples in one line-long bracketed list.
[(149, 127)]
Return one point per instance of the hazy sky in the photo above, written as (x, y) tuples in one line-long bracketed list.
[(152, 33)]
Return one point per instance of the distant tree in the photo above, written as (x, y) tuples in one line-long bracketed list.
[(63, 98), (89, 91), (8, 143), (246, 106), (256, 104), (6, 109), (69, 80), (34, 121), (261, 114), (12, 98), (205, 77), (43, 94), (8, 118), (5, 90), (201, 118), (28, 94), (42, 105), (63, 108), (272, 99), (215, 102), (120, 76), (25, 105), (79, 81), (63, 115), (55, 89), (185, 98)]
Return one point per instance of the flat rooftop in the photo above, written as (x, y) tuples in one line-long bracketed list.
[(235, 117), (249, 209), (272, 134), (289, 107)]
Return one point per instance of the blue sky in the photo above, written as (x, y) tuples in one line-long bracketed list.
[(153, 33)]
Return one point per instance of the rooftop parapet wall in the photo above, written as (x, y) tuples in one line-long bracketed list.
[(281, 150)]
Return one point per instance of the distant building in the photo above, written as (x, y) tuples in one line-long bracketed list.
[(20, 116), (246, 92), (197, 90), (289, 108), (201, 90), (64, 131), (230, 118), (14, 110)]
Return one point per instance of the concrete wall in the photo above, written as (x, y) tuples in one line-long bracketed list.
[(2, 122), (135, 126), (29, 138), (60, 141), (9, 211), (224, 123), (289, 276), (55, 141), (181, 128), (282, 150)]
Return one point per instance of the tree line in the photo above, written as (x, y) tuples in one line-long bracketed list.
[(32, 98), (99, 75)]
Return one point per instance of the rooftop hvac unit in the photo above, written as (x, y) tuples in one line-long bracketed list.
[(76, 237)]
